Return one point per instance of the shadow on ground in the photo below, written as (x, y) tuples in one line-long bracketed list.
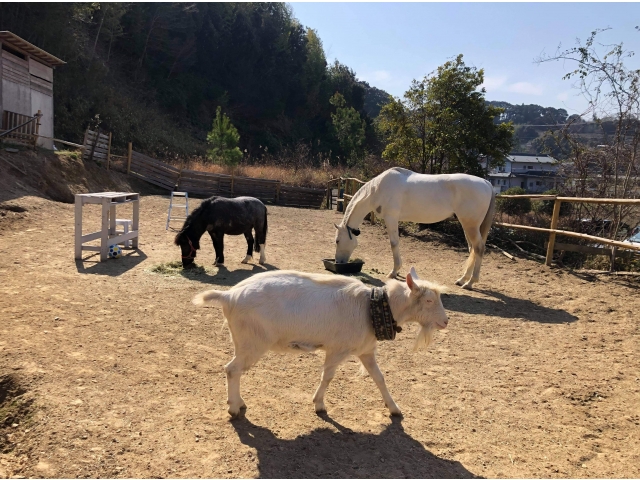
[(324, 453), (500, 305), (227, 277), (111, 267)]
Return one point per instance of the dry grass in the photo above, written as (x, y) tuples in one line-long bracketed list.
[(175, 268), (300, 177)]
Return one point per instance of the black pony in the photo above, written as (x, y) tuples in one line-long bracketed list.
[(218, 216)]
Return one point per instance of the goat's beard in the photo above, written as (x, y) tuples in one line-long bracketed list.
[(425, 337)]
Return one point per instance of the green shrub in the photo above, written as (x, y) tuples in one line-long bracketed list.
[(514, 206)]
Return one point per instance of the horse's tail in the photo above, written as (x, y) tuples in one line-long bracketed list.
[(261, 235), (488, 219), (208, 297)]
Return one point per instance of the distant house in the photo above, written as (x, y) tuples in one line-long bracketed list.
[(27, 85), (534, 173)]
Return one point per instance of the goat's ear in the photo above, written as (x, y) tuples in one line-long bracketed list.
[(410, 282), (414, 274), (355, 231), (336, 225)]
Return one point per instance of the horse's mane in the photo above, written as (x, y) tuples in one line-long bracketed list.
[(364, 192), (192, 217)]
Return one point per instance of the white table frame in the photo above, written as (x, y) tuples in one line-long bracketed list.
[(107, 234)]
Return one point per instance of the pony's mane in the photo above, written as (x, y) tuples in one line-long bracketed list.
[(361, 194), (192, 216)]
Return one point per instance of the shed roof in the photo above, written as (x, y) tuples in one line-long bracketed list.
[(530, 158), (36, 52)]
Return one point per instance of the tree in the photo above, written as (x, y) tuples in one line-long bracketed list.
[(404, 126), (349, 129), (443, 125), (611, 168), (223, 139)]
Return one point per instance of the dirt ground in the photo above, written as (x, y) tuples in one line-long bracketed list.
[(108, 370)]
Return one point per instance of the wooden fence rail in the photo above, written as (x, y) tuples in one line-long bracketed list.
[(153, 171), (97, 146), (21, 129), (196, 182), (553, 230), (349, 187)]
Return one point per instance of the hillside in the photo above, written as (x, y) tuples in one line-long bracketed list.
[(27, 175), (534, 122), (154, 74)]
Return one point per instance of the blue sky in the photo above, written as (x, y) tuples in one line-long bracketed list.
[(389, 44)]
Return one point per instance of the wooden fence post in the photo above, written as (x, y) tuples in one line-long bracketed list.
[(93, 147), (37, 132), (329, 195), (109, 152), (129, 149), (552, 235), (614, 251)]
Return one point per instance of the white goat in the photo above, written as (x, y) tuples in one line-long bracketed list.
[(295, 311)]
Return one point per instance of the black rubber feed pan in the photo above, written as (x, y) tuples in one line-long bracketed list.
[(350, 267)]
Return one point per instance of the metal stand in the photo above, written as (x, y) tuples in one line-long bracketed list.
[(185, 195)]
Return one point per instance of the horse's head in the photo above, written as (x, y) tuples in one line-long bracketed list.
[(189, 248), (346, 242)]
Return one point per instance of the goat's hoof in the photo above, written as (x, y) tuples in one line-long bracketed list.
[(237, 413)]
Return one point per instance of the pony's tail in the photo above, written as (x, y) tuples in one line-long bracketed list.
[(485, 226), (261, 237), (208, 297)]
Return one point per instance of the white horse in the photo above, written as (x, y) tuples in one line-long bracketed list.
[(399, 194)]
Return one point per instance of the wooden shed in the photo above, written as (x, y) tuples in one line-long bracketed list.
[(27, 86)]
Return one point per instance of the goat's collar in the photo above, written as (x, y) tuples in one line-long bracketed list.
[(384, 325)]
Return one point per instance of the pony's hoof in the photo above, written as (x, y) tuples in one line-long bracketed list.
[(246, 259), (262, 261), (468, 286), (460, 282), (321, 408)]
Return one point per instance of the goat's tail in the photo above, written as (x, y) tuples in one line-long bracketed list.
[(485, 226), (208, 297)]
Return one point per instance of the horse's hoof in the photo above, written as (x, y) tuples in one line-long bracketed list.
[(395, 412), (468, 286), (392, 275), (460, 282), (321, 409), (246, 259), (262, 261)]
